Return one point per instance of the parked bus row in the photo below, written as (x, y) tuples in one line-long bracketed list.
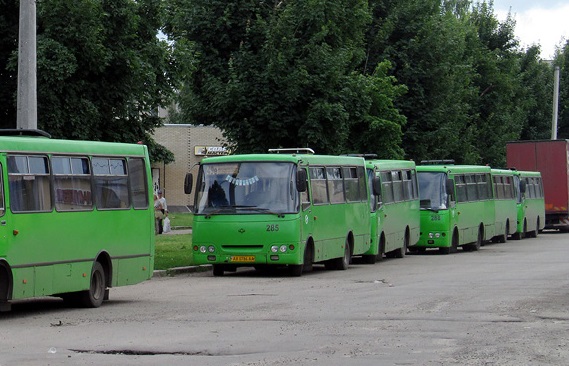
[(293, 208), (289, 208)]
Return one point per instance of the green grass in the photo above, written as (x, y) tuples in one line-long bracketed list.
[(181, 219), (173, 251)]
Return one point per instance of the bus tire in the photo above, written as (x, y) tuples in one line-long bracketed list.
[(504, 238), (296, 270), (380, 249), (477, 244), (5, 286), (343, 262), (94, 296), (307, 265), (453, 244), (400, 252), (533, 234), (218, 270)]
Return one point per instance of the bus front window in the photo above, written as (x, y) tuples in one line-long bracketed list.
[(432, 190), (246, 188)]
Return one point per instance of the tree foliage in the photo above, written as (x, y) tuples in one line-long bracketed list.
[(282, 74), (562, 61), (420, 79), (101, 71)]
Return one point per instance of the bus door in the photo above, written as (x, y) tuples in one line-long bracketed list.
[(5, 224), (308, 216), (453, 213)]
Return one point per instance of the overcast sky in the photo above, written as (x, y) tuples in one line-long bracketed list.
[(545, 22)]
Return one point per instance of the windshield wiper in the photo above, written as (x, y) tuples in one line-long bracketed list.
[(242, 207), (260, 209), (436, 210)]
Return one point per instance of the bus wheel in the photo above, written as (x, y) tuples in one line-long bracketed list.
[(218, 270), (341, 263), (381, 249), (308, 259), (504, 238), (476, 246), (453, 246), (517, 236), (400, 253), (344, 262), (93, 298), (533, 234)]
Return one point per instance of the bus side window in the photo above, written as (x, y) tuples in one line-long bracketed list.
[(137, 183), (30, 188), (111, 183), (318, 185)]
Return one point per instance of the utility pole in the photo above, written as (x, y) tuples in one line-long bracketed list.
[(27, 112), (555, 103)]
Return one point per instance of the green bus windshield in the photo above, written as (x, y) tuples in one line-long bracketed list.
[(247, 188), (432, 190)]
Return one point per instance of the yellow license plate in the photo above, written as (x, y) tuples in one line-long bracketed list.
[(242, 258)]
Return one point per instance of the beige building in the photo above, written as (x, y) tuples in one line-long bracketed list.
[(189, 144)]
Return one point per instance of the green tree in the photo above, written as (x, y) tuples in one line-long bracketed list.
[(500, 105), (562, 60), (537, 89), (9, 13), (102, 72), (426, 42), (273, 74)]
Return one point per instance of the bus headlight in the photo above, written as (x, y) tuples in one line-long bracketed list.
[(203, 249), (211, 249), (283, 248), (431, 235), (437, 235), (274, 249)]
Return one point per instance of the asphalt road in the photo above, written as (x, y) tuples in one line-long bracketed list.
[(507, 304)]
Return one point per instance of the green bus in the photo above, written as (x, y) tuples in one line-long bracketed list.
[(530, 204), (457, 206), (506, 210), (75, 217), (395, 215), (285, 208)]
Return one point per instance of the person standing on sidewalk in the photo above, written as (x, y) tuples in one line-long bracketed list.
[(160, 205)]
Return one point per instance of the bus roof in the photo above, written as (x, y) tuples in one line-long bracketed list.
[(390, 164), (307, 159), (527, 173), (27, 144), (503, 171), (454, 169)]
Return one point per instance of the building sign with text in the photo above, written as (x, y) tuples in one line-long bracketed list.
[(210, 150)]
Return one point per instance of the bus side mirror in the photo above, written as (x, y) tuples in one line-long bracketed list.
[(523, 186), (450, 187), (188, 183), (376, 186), (301, 180)]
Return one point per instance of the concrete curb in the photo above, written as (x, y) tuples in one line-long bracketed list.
[(181, 270)]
